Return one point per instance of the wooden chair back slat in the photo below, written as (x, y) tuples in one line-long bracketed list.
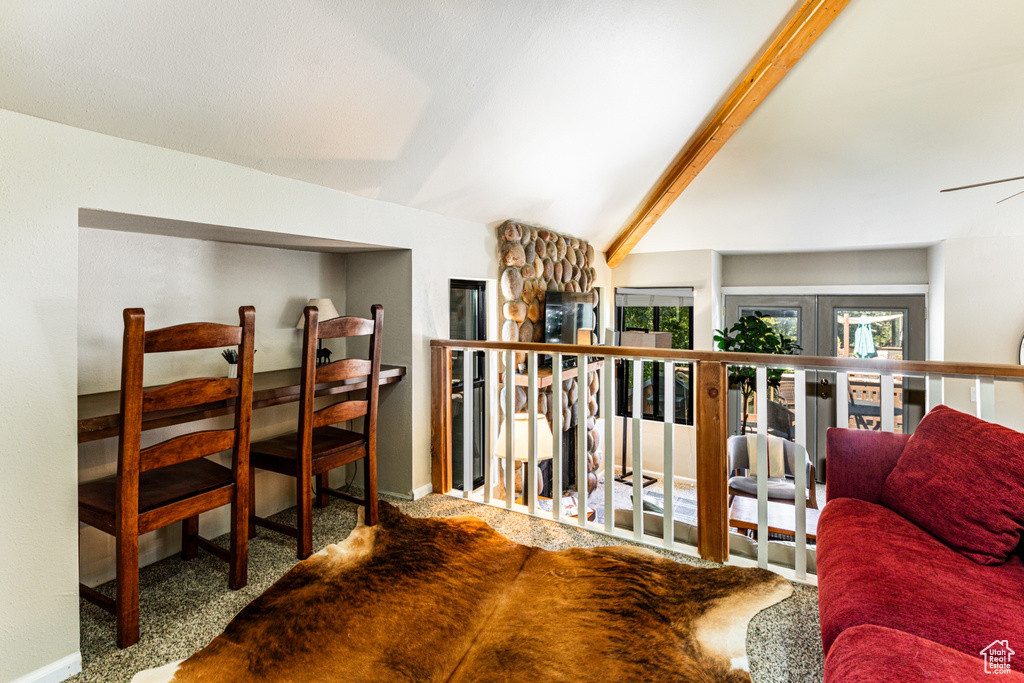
[(346, 368), (192, 336), (340, 412), (186, 447), (345, 326), (190, 392)]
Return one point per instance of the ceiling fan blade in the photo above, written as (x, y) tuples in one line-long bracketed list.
[(1011, 197), (991, 182)]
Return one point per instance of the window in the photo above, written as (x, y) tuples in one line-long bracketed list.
[(660, 309)]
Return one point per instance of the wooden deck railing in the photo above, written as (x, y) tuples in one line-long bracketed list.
[(710, 390)]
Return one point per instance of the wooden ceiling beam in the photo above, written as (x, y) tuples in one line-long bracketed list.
[(792, 41)]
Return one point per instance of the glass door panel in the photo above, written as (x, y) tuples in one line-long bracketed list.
[(883, 327)]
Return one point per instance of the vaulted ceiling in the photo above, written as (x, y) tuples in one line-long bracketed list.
[(561, 113)]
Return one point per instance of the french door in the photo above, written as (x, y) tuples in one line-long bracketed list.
[(864, 326)]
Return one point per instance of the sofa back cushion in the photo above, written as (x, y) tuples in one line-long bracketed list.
[(962, 480)]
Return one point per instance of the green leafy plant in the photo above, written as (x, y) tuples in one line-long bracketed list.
[(753, 334)]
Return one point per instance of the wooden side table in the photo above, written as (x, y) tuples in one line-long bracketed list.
[(781, 517)]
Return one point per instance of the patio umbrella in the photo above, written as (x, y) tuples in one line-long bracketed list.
[(864, 342)]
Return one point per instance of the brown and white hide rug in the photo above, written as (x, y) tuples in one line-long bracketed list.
[(450, 599)]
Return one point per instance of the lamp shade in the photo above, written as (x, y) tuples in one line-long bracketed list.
[(324, 306), (520, 438)]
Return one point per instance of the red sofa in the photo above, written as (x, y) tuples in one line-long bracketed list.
[(897, 603)]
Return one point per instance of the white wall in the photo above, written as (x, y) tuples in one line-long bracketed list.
[(984, 316), (49, 172), (936, 312), (181, 280), (873, 267)]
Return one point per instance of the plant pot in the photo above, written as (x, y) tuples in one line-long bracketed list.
[(232, 370)]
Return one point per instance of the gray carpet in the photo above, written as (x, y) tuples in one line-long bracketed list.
[(185, 604)]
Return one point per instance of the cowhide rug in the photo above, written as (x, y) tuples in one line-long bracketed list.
[(450, 599)]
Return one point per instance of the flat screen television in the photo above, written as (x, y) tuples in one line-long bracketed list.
[(565, 314)]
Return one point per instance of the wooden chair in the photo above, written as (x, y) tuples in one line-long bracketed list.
[(172, 481), (318, 447)]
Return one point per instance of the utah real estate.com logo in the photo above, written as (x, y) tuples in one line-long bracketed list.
[(997, 657)]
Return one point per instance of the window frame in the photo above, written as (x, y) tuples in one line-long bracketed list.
[(623, 369)]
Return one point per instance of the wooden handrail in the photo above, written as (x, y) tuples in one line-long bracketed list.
[(863, 365)]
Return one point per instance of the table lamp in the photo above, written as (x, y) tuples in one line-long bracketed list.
[(326, 310)]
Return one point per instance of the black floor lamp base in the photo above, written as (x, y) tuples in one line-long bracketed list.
[(627, 477)]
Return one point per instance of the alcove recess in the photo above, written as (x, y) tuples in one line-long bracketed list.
[(532, 262)]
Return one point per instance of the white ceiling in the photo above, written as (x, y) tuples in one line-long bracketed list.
[(560, 113)]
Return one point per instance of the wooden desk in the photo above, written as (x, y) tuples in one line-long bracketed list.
[(98, 413)]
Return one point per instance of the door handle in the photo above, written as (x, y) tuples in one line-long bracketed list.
[(824, 392)]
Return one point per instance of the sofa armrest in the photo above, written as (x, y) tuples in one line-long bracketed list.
[(858, 462)]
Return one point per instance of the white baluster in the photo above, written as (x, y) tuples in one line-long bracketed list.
[(530, 480), (556, 436), (800, 474), (638, 472), (582, 411), (986, 389), (490, 418), (669, 455), (468, 415), (842, 399), (886, 389), (608, 413), (934, 391), (510, 414), (762, 466)]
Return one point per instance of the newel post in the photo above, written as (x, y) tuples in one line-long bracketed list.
[(441, 418), (711, 409)]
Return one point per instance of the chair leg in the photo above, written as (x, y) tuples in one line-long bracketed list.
[(304, 512), (127, 579), (238, 575), (370, 488), (189, 532), (322, 482)]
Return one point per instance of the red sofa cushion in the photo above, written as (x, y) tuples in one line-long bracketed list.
[(873, 654), (876, 567), (962, 479)]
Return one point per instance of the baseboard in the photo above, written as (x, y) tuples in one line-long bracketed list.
[(677, 479), (416, 494), (61, 670), (422, 491)]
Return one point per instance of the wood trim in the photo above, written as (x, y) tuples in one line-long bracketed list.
[(863, 365), (791, 42), (441, 418), (711, 422)]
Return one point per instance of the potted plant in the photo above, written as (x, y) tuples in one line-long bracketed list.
[(753, 334)]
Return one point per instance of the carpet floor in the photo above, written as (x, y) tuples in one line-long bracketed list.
[(184, 605)]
